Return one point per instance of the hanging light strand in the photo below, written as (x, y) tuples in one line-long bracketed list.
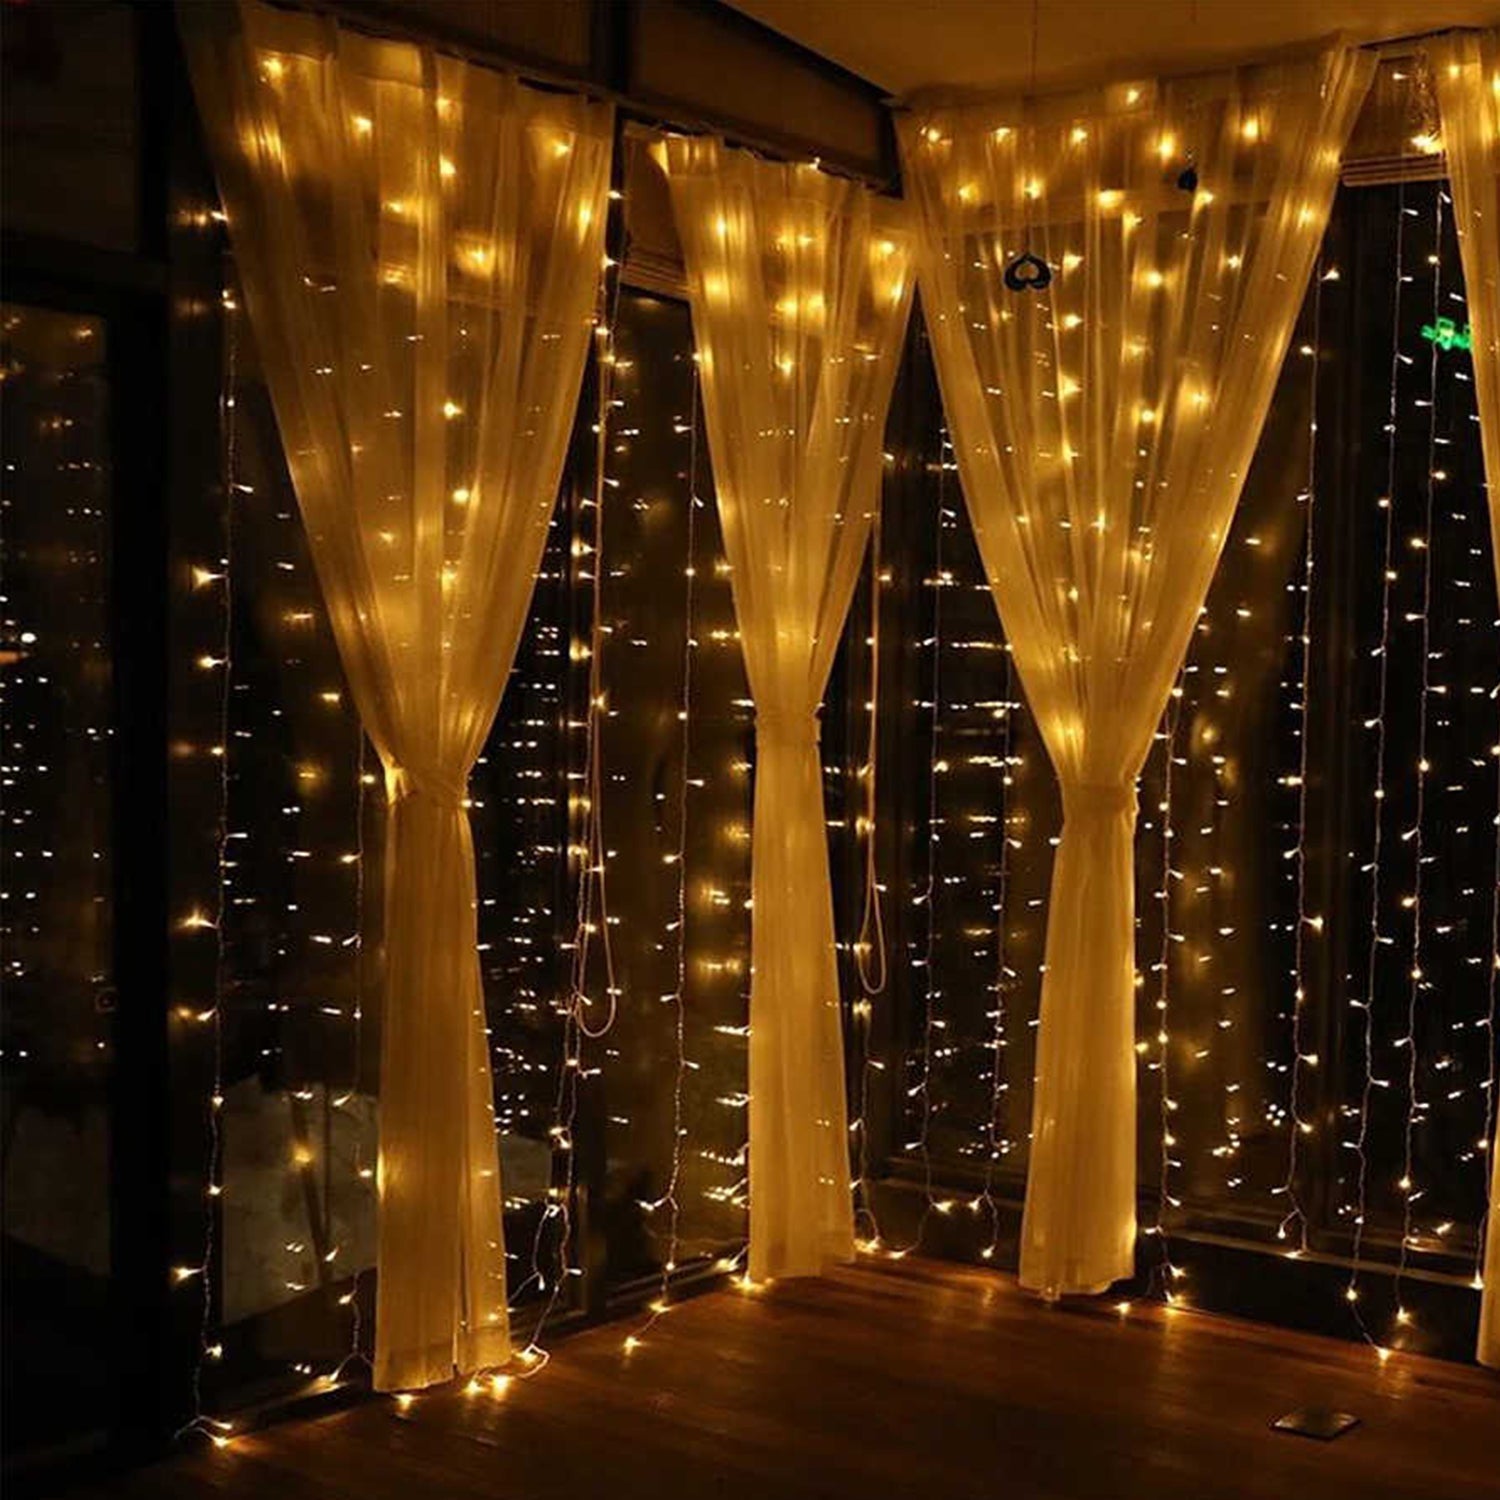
[(1410, 1190), (1491, 1107), (591, 901), (931, 1022), (1377, 724), (670, 1198), (997, 1122), (870, 958), (1166, 1106), (209, 1348), (869, 946), (1307, 922), (356, 1354)]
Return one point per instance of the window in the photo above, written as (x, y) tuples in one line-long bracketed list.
[(1326, 694), (264, 729), (56, 864)]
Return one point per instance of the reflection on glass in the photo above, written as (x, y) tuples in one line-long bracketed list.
[(659, 768), (303, 799), (55, 866)]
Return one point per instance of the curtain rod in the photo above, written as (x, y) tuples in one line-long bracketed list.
[(1387, 49), (385, 26), (1405, 46)]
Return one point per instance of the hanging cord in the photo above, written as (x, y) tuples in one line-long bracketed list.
[(592, 910), (929, 891), (869, 946), (592, 881), (208, 1349), (356, 1354), (677, 999), (1372, 955), (998, 1144), (1166, 1270), (1492, 1083), (1297, 1126), (1416, 833), (928, 898), (870, 957)]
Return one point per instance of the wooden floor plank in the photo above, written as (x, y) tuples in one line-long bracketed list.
[(886, 1382)]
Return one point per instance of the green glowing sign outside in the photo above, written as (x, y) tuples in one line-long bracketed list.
[(1446, 335)]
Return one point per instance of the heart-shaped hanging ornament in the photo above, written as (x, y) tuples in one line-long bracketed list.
[(1028, 273)]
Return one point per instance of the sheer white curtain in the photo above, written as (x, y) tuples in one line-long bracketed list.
[(419, 243), (800, 286), (1466, 74), (1104, 413)]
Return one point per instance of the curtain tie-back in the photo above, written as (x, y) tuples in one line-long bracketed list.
[(788, 728), (1098, 799), (402, 782)]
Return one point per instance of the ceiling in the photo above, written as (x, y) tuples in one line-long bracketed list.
[(908, 45)]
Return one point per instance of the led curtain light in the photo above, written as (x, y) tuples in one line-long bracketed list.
[(1466, 75), (420, 243), (1110, 282), (800, 287)]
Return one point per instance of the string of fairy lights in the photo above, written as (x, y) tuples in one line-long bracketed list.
[(977, 861), (1161, 1065), (58, 869), (677, 927), (591, 921), (588, 850), (1307, 923), (925, 900), (872, 966), (1417, 1077), (203, 1273), (1364, 1004), (917, 1088), (997, 1118), (270, 915), (362, 1169), (1484, 1142), (1411, 1191), (1188, 798), (933, 705), (1194, 946)]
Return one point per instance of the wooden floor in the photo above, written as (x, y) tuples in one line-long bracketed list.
[(924, 1380)]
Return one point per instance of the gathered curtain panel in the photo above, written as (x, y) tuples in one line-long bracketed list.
[(419, 243), (800, 285), (1465, 69), (1157, 239)]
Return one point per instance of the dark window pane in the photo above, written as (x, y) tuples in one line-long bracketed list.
[(1273, 882), (1420, 944), (56, 868), (658, 463)]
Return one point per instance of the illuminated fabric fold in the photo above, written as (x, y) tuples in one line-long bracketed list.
[(1466, 76), (800, 285), (1103, 424), (420, 243)]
